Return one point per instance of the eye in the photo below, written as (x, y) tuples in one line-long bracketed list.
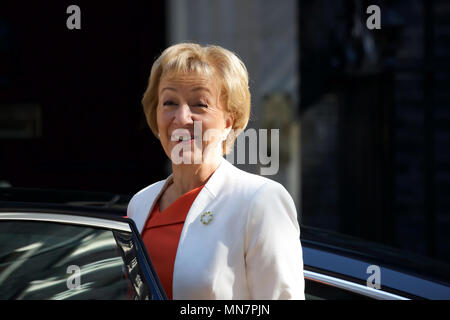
[(169, 103), (202, 105)]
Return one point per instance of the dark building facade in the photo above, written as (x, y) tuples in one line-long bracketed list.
[(70, 107), (376, 122)]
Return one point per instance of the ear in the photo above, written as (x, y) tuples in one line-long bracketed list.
[(229, 121)]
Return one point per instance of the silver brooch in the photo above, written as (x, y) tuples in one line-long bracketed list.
[(206, 217)]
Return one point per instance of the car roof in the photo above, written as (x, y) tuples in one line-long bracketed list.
[(75, 198)]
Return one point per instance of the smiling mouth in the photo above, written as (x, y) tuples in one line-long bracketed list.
[(182, 138)]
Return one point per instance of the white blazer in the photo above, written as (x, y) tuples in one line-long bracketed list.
[(250, 250)]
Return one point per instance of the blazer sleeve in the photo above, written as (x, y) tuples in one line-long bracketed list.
[(273, 252)]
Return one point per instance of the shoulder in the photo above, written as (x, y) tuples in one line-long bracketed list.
[(145, 192), (264, 199), (149, 189), (254, 187), (143, 196)]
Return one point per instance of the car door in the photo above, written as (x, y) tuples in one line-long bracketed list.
[(48, 254)]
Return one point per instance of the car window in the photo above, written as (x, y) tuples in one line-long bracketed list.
[(44, 260), (315, 290)]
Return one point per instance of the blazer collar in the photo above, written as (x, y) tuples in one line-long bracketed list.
[(209, 191), (149, 205), (218, 178), (213, 185)]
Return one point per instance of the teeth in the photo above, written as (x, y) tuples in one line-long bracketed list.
[(183, 138)]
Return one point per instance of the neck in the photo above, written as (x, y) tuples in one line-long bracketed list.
[(190, 176)]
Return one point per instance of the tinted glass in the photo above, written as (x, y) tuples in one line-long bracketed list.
[(41, 260)]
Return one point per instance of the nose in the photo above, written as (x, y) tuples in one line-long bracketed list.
[(183, 115)]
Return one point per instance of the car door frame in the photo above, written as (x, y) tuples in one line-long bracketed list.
[(92, 217)]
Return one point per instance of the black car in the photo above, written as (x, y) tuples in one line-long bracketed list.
[(60, 245)]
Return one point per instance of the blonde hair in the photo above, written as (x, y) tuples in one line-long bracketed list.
[(211, 61)]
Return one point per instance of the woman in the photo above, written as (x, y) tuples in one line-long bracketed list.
[(212, 230)]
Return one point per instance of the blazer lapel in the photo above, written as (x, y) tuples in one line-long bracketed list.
[(149, 205), (206, 195), (193, 228)]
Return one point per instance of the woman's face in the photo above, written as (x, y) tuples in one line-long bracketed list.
[(190, 117)]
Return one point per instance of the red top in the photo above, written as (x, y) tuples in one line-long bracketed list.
[(161, 235)]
